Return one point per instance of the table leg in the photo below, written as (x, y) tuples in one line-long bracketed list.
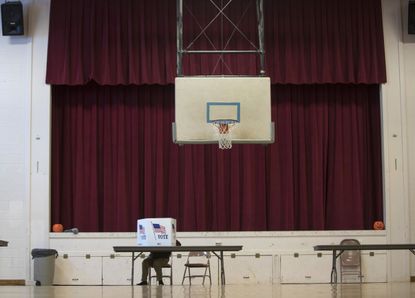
[(218, 269), (222, 268), (132, 269), (333, 276)]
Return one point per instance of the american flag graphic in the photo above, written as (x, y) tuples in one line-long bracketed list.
[(141, 229), (159, 229)]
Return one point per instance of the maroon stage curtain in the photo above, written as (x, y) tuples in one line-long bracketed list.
[(113, 161), (134, 42)]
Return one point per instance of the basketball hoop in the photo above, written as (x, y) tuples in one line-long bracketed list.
[(223, 130)]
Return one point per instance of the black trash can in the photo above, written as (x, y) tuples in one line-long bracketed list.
[(44, 265)]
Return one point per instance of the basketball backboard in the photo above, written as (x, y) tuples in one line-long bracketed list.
[(243, 102)]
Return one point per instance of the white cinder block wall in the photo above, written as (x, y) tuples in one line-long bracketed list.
[(408, 90), (15, 74), (25, 145)]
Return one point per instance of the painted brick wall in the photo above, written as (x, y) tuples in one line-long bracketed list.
[(15, 73)]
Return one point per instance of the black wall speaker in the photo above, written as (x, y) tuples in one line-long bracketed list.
[(12, 18), (411, 17)]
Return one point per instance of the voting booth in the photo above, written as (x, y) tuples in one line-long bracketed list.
[(156, 232)]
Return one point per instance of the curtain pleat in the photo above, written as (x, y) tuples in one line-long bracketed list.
[(134, 42), (114, 162)]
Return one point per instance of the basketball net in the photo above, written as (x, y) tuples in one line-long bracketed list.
[(223, 132)]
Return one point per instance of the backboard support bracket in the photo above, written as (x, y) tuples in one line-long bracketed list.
[(234, 141)]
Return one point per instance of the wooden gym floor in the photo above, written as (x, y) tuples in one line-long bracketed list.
[(372, 290)]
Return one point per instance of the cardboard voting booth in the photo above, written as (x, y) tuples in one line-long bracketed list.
[(156, 232)]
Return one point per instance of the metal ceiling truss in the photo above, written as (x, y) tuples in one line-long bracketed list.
[(181, 50)]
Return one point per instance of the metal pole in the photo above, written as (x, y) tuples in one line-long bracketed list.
[(179, 27), (260, 16)]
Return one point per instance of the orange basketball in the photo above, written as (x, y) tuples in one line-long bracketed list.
[(57, 228), (378, 225)]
